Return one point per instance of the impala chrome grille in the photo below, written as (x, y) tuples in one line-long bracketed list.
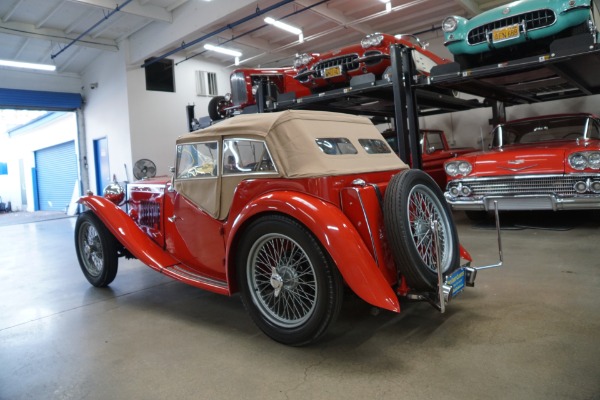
[(533, 20), (559, 185), (348, 62)]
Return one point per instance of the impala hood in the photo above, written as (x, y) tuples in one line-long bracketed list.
[(548, 158)]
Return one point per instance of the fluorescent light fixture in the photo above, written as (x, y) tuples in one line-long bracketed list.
[(388, 5), (223, 50), (284, 26), (17, 64)]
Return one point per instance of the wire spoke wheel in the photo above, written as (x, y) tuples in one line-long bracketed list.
[(89, 242), (96, 250), (288, 283), (423, 209), (283, 281)]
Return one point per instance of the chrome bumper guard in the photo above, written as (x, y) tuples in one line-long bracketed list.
[(450, 286)]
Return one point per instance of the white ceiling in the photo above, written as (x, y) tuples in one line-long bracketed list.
[(42, 31)]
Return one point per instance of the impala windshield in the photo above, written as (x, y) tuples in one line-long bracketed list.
[(545, 130)]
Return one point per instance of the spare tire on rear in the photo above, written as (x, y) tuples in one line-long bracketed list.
[(412, 202)]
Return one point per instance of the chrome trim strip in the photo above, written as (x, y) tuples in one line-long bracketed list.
[(177, 270)]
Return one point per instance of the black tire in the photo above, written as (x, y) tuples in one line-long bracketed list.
[(215, 106), (412, 202), (96, 250), (278, 252)]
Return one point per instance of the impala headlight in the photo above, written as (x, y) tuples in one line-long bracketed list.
[(302, 59), (371, 40), (449, 24), (455, 168), (585, 159)]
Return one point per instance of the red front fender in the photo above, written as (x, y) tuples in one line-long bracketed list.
[(128, 233), (337, 235)]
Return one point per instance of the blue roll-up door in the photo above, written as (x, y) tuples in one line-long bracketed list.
[(56, 171), (38, 100)]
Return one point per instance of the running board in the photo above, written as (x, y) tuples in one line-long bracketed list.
[(185, 274)]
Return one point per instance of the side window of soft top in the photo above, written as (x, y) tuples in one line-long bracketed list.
[(246, 156), (197, 160)]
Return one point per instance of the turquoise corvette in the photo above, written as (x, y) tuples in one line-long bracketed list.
[(515, 30)]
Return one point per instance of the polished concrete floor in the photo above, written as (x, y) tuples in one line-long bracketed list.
[(529, 330)]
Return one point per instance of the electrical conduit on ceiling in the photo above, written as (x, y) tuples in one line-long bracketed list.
[(256, 29), (216, 32), (107, 16)]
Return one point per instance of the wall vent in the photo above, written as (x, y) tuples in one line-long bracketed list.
[(206, 83)]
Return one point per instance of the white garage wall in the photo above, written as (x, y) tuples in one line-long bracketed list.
[(158, 118), (106, 112)]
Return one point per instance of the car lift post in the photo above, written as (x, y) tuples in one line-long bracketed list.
[(405, 106)]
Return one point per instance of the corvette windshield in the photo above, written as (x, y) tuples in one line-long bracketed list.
[(545, 130)]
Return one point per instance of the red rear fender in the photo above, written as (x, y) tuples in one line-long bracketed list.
[(337, 235)]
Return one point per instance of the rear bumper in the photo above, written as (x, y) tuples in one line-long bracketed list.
[(525, 202)]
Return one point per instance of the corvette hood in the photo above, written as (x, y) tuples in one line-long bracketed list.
[(549, 158)]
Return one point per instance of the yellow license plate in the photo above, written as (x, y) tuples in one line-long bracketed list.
[(332, 72), (509, 32)]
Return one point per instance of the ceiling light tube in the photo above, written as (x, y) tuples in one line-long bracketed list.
[(284, 26), (17, 64), (223, 50)]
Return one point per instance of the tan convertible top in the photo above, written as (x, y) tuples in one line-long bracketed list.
[(290, 136)]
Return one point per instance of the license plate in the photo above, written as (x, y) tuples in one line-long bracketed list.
[(506, 33), (332, 72), (457, 281)]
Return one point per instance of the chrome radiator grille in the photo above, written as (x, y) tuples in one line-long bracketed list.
[(348, 61), (149, 214), (533, 20), (562, 186)]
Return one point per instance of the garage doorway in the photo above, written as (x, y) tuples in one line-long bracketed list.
[(101, 164), (56, 176)]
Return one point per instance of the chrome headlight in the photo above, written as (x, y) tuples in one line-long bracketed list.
[(594, 160), (455, 168), (585, 159), (254, 90), (371, 40), (449, 24), (301, 59), (114, 192)]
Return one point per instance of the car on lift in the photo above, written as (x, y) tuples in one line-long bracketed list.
[(435, 151), (515, 30), (245, 83), (336, 68), (287, 209), (544, 163)]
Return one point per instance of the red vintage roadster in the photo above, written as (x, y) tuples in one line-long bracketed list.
[(284, 208)]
